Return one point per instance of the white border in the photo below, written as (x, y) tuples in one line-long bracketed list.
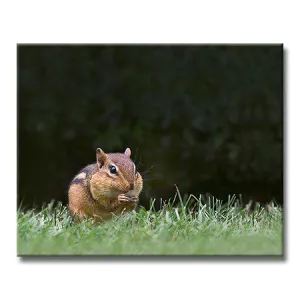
[(154, 21)]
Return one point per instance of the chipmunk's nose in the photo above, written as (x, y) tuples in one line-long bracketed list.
[(131, 186)]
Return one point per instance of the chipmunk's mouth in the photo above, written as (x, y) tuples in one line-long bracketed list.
[(129, 188), (125, 190), (122, 191)]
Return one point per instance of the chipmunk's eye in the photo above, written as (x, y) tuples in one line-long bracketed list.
[(112, 169)]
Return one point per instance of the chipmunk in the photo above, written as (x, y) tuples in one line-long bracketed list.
[(109, 187)]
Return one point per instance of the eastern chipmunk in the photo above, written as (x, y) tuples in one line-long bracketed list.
[(109, 187)]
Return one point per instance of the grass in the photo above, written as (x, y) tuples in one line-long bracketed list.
[(218, 230)]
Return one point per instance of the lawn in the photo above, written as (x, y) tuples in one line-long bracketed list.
[(210, 230)]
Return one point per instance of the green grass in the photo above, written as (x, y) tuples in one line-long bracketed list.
[(224, 230)]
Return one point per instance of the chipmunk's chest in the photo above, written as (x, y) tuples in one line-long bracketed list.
[(112, 206)]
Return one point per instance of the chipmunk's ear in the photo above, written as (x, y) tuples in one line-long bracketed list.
[(101, 157), (127, 152)]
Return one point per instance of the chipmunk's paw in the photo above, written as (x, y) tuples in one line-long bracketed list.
[(126, 198)]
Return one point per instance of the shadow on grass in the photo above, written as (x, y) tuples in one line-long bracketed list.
[(153, 258)]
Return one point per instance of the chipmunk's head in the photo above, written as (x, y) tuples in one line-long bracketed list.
[(116, 173)]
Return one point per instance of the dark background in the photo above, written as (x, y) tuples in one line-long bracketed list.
[(206, 118)]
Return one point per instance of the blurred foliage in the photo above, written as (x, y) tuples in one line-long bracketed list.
[(201, 117)]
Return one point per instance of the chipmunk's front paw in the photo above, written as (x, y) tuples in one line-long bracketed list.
[(123, 198), (126, 198)]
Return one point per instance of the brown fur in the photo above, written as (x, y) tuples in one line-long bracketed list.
[(96, 192)]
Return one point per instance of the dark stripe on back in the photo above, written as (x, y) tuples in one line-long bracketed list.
[(77, 180), (88, 170)]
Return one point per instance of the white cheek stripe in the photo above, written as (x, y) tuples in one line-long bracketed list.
[(134, 170)]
